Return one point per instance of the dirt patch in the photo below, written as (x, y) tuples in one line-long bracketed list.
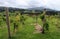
[(38, 28)]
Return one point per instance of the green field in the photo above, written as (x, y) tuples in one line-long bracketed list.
[(26, 31)]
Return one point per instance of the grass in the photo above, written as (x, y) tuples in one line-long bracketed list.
[(26, 31)]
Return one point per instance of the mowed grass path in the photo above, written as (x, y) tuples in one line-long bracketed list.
[(26, 31)]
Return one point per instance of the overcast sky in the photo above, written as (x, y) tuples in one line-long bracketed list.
[(54, 4)]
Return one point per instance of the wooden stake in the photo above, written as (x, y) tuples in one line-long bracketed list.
[(36, 18), (8, 22)]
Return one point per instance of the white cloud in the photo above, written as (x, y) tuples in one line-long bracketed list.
[(54, 4)]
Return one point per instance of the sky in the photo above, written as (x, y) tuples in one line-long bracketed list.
[(53, 4)]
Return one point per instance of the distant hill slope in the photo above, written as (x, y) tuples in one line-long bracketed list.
[(41, 9), (37, 9), (11, 9)]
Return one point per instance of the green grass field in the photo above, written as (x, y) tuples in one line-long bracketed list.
[(26, 31)]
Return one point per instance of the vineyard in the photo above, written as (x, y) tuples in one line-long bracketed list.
[(21, 28)]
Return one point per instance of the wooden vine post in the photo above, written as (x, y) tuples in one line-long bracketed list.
[(36, 17), (43, 20), (8, 22)]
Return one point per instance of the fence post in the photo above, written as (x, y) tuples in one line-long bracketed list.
[(8, 22)]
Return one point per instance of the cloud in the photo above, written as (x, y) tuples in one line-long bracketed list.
[(54, 4), (14, 3), (23, 3), (35, 3)]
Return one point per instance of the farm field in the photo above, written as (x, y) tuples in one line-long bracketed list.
[(26, 31)]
